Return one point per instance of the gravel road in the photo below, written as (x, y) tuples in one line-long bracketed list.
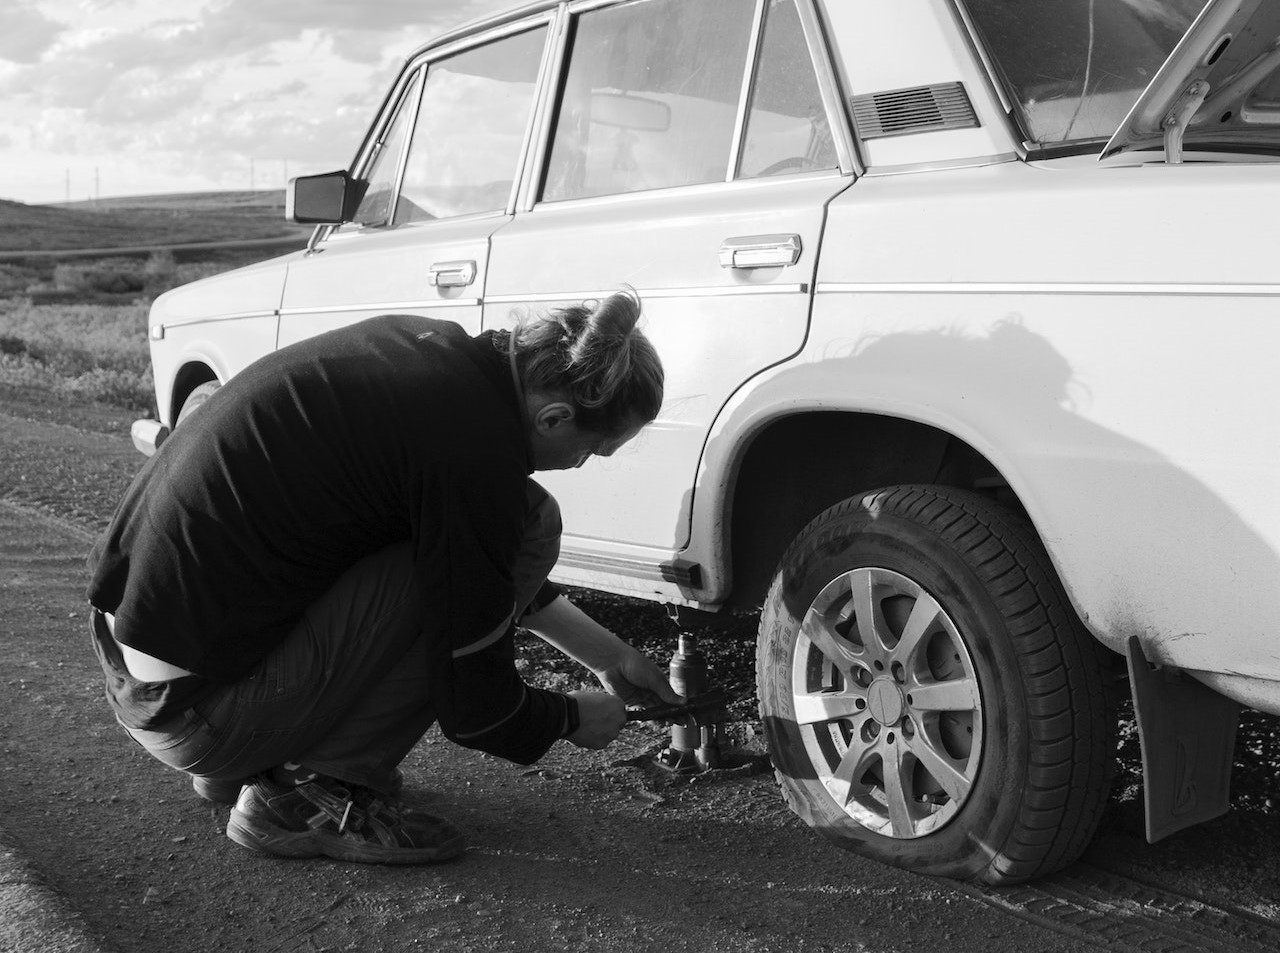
[(584, 851)]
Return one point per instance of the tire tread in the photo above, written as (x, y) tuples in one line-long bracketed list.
[(1070, 709)]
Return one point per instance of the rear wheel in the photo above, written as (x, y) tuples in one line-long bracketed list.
[(929, 697)]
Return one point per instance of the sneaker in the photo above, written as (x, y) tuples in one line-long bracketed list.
[(329, 818), (228, 792)]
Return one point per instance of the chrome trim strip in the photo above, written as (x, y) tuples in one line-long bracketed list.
[(630, 567), (236, 316), (485, 30), (532, 126), (821, 56), (966, 163), (534, 159), (714, 187), (754, 43), (412, 102), (479, 25), (970, 31), (384, 307), (355, 233), (732, 290), (1046, 287), (584, 6), (681, 573)]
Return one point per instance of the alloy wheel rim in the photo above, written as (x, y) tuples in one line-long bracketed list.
[(887, 702)]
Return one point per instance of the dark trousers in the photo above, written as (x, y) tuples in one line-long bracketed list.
[(346, 692)]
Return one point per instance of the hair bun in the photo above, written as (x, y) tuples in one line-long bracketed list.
[(596, 355)]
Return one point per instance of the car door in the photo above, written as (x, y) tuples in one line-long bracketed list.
[(441, 170), (689, 153)]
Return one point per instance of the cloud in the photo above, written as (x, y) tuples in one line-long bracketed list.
[(26, 34), (204, 89)]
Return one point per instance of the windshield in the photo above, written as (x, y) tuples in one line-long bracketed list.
[(1074, 68)]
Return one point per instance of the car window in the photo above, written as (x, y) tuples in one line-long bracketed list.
[(1074, 68), (375, 207), (650, 98), (471, 126), (787, 129)]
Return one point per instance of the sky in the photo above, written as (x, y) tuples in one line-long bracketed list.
[(102, 98)]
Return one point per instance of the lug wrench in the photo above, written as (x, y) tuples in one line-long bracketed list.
[(705, 709)]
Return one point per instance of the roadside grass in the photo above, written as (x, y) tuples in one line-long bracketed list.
[(75, 328), (93, 352), (78, 329), (109, 280)]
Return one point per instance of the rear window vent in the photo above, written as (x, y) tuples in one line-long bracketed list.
[(900, 112)]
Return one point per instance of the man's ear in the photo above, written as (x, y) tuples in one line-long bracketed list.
[(552, 415)]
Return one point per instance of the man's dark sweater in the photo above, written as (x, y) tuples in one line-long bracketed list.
[(397, 428)]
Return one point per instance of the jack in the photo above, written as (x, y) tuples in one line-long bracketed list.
[(695, 729)]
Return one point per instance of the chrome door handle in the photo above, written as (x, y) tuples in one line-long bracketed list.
[(760, 251), (451, 274)]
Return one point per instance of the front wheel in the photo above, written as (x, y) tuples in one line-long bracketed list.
[(195, 399), (929, 697)]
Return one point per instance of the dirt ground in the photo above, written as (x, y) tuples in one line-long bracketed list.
[(584, 851)]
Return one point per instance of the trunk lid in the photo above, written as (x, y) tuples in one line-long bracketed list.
[(1219, 89)]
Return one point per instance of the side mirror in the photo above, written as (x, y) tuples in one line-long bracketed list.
[(327, 199)]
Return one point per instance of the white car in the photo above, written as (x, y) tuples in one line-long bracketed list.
[(969, 318)]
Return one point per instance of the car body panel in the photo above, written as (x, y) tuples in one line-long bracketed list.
[(868, 62), (667, 247), (223, 322), (1099, 332), (1082, 377), (353, 276)]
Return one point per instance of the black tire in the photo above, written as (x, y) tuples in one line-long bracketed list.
[(197, 397), (976, 681)]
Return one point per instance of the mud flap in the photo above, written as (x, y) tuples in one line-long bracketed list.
[(1188, 735)]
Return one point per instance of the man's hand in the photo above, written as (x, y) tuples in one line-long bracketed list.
[(600, 718), (636, 680), (622, 670)]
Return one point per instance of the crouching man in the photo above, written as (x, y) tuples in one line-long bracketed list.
[(332, 554)]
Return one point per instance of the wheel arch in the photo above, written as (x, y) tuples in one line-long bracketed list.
[(190, 376), (775, 489)]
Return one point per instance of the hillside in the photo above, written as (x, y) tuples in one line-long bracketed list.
[(269, 200), (145, 220)]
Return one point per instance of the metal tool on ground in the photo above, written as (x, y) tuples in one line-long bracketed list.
[(694, 746)]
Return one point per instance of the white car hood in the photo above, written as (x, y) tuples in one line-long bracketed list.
[(1219, 88)]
